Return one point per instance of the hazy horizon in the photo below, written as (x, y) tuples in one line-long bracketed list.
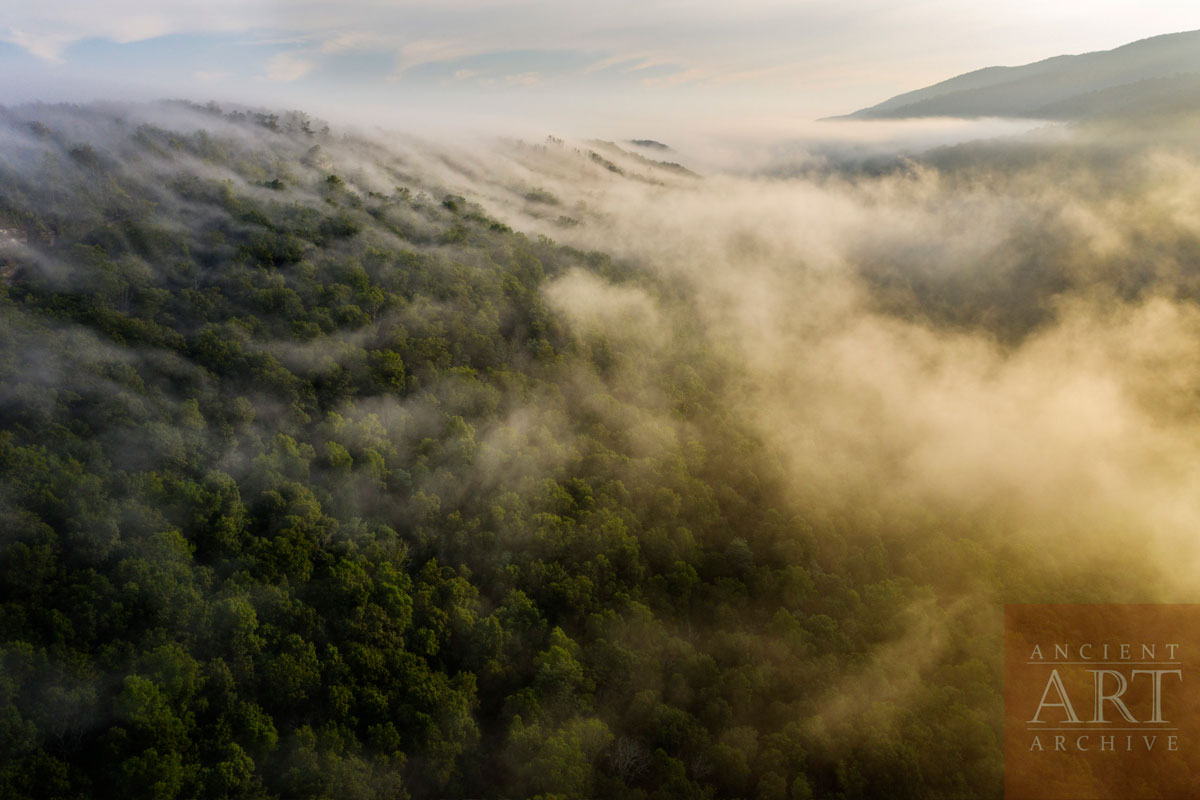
[(627, 70)]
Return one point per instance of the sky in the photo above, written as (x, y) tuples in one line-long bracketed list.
[(618, 67)]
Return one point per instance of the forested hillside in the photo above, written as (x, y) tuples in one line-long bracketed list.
[(318, 479)]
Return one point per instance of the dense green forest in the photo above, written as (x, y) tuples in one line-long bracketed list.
[(309, 487)]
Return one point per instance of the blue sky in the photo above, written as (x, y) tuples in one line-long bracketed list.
[(586, 65)]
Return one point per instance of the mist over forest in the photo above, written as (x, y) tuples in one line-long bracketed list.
[(345, 463)]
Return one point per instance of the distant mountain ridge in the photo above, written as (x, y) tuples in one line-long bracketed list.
[(1160, 74)]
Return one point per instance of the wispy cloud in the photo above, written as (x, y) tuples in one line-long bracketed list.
[(211, 76), (48, 47), (677, 78), (359, 40), (616, 60), (649, 63), (523, 79), (287, 67), (433, 51), (137, 27)]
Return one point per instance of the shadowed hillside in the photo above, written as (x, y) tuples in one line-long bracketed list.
[(1159, 75)]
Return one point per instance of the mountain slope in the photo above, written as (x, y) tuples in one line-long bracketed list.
[(1165, 68), (318, 480)]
